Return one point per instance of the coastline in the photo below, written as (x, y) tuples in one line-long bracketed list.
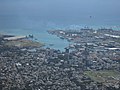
[(20, 41)]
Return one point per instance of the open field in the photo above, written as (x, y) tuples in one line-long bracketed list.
[(24, 43), (103, 76)]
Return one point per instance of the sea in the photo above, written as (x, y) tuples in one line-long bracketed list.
[(41, 34), (28, 17)]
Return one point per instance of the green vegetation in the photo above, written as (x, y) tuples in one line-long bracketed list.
[(102, 76), (24, 43), (117, 40)]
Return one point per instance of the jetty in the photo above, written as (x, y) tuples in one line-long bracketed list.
[(15, 38)]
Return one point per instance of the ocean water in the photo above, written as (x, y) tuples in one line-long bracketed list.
[(26, 17), (17, 26), (41, 36)]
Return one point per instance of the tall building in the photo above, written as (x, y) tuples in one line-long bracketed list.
[(85, 54)]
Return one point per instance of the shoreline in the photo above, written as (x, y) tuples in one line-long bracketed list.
[(20, 41)]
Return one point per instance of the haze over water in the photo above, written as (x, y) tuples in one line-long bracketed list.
[(39, 13), (37, 16)]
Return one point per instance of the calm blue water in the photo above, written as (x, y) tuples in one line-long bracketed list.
[(41, 36), (24, 17)]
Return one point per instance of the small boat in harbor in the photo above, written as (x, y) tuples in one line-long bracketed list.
[(51, 44)]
